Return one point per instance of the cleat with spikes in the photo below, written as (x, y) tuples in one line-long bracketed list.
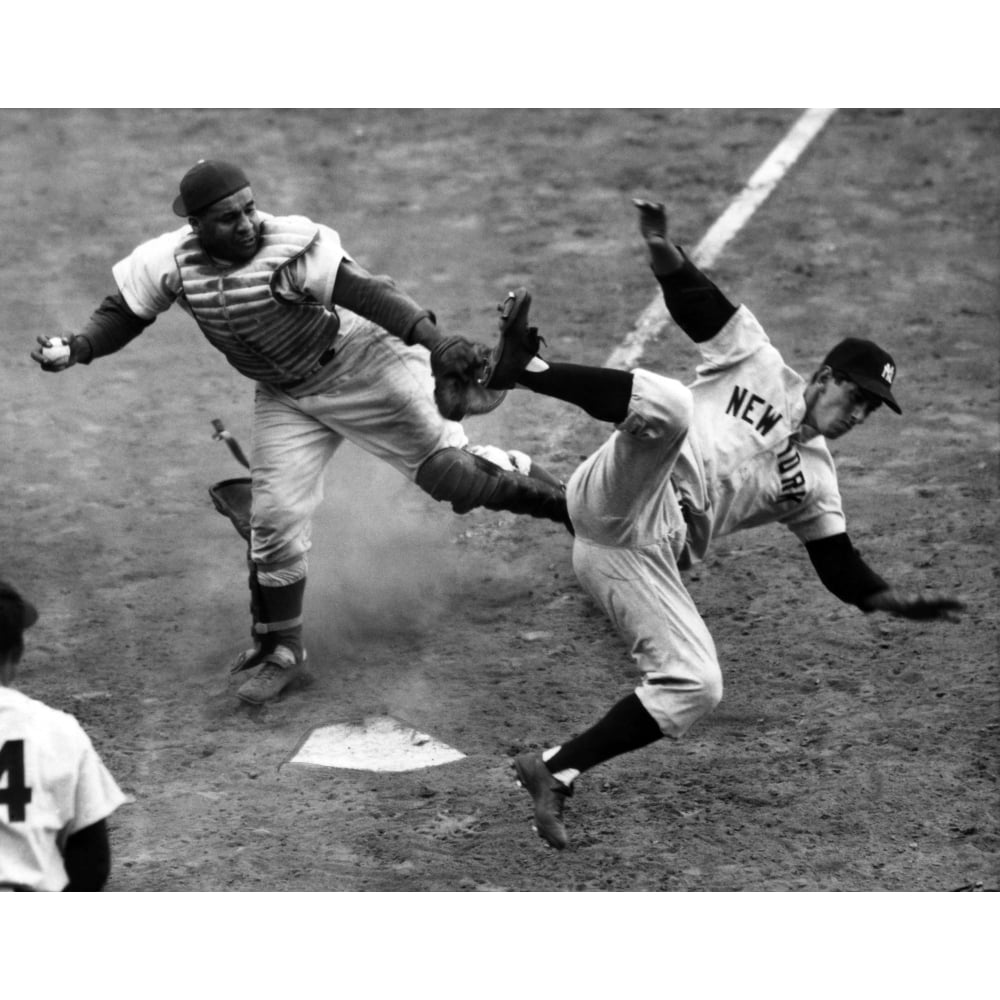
[(549, 796), (518, 343)]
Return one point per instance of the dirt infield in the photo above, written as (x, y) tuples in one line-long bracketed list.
[(850, 752)]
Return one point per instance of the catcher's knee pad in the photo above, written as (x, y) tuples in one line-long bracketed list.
[(467, 481)]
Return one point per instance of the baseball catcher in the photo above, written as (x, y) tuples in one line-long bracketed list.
[(334, 353)]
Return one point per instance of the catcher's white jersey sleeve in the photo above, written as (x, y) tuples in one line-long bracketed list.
[(52, 784), (150, 282)]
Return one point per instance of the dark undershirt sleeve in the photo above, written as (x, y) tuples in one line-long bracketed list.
[(378, 299), (88, 858), (109, 329), (694, 302), (842, 570)]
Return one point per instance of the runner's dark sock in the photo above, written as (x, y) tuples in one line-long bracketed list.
[(604, 393), (628, 726)]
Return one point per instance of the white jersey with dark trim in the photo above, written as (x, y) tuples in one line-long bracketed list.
[(744, 462), (150, 281), (52, 785)]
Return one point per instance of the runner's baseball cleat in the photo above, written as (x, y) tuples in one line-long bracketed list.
[(518, 344), (549, 796)]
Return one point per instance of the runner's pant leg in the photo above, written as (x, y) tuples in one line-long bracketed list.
[(622, 495), (630, 532), (642, 593)]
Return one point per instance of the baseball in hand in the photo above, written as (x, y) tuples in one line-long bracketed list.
[(58, 350)]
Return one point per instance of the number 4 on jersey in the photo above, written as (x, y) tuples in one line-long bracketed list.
[(15, 795)]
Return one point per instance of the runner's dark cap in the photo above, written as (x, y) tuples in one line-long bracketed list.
[(16, 614), (207, 182), (867, 365)]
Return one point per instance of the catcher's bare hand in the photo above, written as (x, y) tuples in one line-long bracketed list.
[(919, 607), (459, 366), (54, 354)]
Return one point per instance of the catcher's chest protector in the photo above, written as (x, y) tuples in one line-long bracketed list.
[(262, 337)]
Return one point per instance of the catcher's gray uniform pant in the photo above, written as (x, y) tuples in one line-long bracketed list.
[(629, 535), (380, 396)]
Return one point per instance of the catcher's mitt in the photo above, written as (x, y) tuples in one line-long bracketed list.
[(458, 366)]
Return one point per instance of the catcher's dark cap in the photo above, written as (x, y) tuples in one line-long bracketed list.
[(207, 182), (867, 365), (16, 614)]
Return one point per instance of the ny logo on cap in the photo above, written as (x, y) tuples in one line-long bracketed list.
[(888, 372)]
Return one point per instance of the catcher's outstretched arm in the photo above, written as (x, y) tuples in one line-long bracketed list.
[(379, 300), (109, 329)]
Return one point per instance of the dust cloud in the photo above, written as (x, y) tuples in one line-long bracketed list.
[(383, 560)]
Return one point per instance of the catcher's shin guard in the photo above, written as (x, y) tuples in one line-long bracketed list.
[(467, 481), (277, 619)]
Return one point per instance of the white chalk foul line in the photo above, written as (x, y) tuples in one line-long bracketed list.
[(654, 318)]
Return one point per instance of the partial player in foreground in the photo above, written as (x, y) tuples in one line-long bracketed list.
[(55, 792), (743, 445), (335, 354)]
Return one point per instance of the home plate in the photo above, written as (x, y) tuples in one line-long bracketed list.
[(380, 743)]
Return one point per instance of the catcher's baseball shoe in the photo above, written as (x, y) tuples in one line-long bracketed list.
[(518, 344), (549, 796), (279, 669)]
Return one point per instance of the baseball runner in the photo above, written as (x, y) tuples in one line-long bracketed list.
[(55, 792), (335, 353), (744, 444)]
